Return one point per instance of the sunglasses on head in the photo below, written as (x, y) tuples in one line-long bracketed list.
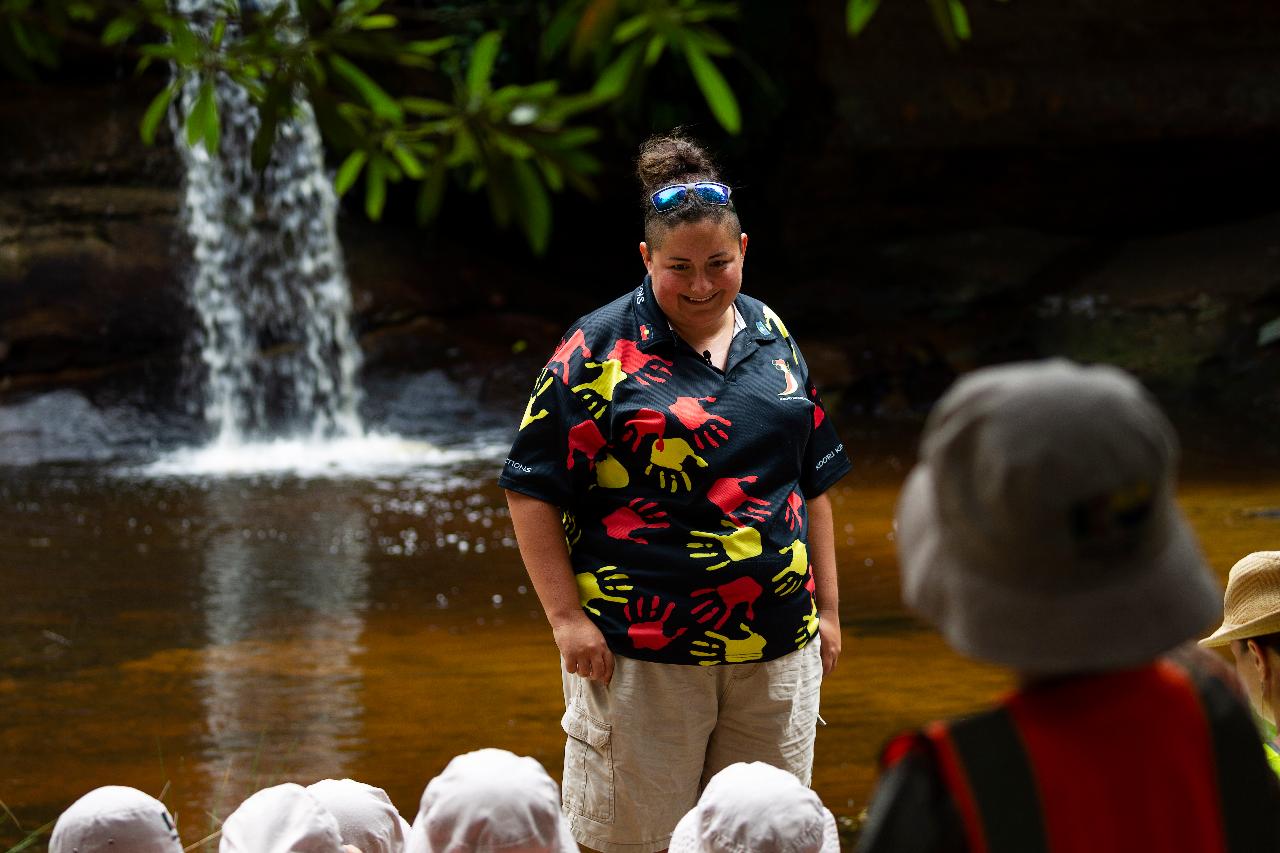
[(670, 197)]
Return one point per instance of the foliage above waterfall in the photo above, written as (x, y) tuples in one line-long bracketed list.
[(454, 94)]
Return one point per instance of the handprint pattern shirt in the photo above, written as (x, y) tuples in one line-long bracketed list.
[(682, 487)]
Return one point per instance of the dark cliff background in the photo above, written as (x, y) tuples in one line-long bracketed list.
[(1092, 179)]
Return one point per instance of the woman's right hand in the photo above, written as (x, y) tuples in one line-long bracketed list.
[(583, 649)]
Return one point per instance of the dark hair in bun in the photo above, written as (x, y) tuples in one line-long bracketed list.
[(676, 159)]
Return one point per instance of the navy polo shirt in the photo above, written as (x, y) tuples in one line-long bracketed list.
[(682, 487)]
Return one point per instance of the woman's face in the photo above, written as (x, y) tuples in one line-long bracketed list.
[(697, 273)]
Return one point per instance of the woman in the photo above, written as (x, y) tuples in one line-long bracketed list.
[(1039, 532), (1251, 625), (667, 492)]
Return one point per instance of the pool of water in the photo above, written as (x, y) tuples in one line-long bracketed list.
[(203, 636)]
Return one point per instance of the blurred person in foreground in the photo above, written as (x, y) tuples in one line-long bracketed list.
[(668, 490), (1251, 626), (115, 819), (1039, 532), (491, 801)]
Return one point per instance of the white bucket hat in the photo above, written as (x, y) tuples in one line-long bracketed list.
[(491, 800), (366, 817), (1252, 600), (115, 819), (282, 819), (1039, 529), (756, 808)]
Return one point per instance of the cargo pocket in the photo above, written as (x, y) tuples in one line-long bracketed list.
[(588, 766)]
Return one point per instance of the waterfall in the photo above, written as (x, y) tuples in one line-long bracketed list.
[(267, 279)]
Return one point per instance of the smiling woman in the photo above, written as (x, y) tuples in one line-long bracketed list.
[(667, 488)]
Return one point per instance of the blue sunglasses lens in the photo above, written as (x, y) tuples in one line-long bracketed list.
[(712, 193), (669, 198)]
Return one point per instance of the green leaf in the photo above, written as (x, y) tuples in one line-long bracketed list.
[(941, 10), (202, 121), (375, 188), (377, 22), (859, 13), (412, 167), (349, 171), (631, 28), (723, 103), (959, 20), (374, 95), (119, 30), (653, 51), (480, 68), (271, 106), (614, 79), (219, 32), (558, 30), (426, 107), (429, 47), (431, 194), (710, 41), (535, 206), (155, 112)]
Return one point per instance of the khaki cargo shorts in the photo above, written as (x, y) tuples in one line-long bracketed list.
[(640, 750)]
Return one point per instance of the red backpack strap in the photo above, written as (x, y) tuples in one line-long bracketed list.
[(987, 771)]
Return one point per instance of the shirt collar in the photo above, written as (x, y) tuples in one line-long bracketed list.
[(653, 328)]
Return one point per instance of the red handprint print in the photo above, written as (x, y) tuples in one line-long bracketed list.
[(704, 425), (642, 367), (744, 590), (727, 494), (636, 515), (648, 629), (819, 414), (795, 510), (585, 438), (559, 362), (646, 422)]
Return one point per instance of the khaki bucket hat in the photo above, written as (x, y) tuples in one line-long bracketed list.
[(1039, 529), (1252, 600)]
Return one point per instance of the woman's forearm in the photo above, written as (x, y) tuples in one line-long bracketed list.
[(822, 553), (546, 557)]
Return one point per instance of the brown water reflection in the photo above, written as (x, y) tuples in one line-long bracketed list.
[(214, 637)]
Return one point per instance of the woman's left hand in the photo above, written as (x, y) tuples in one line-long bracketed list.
[(829, 631)]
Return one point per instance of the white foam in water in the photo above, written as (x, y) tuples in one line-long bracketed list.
[(358, 457)]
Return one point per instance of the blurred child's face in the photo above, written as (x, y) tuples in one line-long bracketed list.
[(1257, 674)]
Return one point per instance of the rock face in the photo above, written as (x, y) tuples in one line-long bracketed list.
[(1082, 179)]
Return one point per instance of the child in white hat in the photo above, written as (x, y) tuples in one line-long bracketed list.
[(282, 819), (366, 817), (759, 808), (488, 801), (1251, 626), (115, 819), (1039, 532)]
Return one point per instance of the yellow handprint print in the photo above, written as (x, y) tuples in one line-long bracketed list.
[(544, 381), (572, 532), (717, 648), (793, 576), (610, 473), (740, 543), (598, 393), (595, 586), (774, 320), (810, 627), (669, 456)]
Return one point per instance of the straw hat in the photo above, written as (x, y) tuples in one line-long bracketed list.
[(1252, 601), (1039, 530)]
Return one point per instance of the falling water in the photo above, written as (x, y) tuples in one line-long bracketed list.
[(267, 282)]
